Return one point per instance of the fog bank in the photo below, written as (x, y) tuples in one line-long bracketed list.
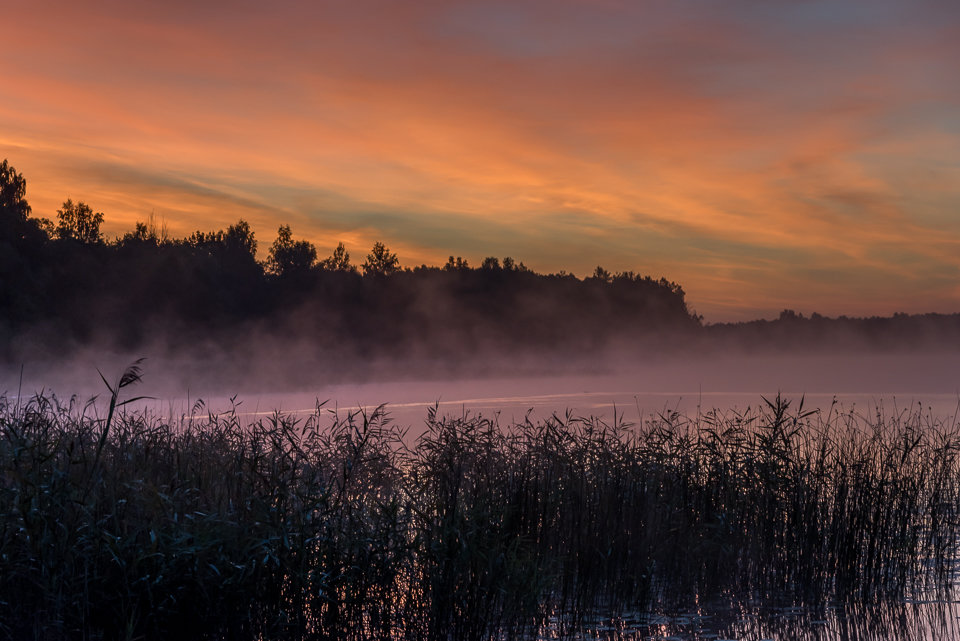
[(634, 385)]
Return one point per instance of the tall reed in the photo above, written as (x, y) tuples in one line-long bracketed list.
[(333, 526)]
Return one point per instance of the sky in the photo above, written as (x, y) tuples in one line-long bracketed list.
[(765, 154)]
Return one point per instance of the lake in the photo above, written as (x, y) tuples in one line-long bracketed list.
[(890, 384), (863, 383)]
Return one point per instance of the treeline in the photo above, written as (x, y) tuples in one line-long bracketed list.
[(64, 284), (793, 330)]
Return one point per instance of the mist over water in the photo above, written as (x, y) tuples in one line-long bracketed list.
[(629, 386), (624, 386)]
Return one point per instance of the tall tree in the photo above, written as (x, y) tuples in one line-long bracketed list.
[(459, 263), (288, 257), (380, 261), (240, 238), (13, 190), (79, 222), (16, 226), (338, 261), (601, 274)]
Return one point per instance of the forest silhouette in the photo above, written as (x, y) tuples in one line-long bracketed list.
[(63, 285)]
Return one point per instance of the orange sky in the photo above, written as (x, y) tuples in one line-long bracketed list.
[(762, 154)]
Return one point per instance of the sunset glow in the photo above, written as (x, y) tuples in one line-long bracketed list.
[(764, 155)]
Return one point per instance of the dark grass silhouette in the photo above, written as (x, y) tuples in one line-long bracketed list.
[(132, 526)]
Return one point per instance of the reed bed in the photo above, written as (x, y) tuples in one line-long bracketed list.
[(116, 524)]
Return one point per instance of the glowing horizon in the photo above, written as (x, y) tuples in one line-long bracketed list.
[(763, 155)]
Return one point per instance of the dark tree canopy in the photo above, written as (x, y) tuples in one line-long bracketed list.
[(16, 226), (79, 222), (601, 274), (459, 263), (13, 191), (338, 261), (239, 238), (289, 257), (490, 262), (380, 261), (150, 232)]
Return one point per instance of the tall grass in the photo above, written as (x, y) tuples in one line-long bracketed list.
[(130, 526)]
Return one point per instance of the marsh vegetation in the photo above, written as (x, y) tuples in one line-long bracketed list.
[(117, 523)]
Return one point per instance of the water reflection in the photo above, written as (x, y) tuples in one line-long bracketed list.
[(858, 382), (512, 401)]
